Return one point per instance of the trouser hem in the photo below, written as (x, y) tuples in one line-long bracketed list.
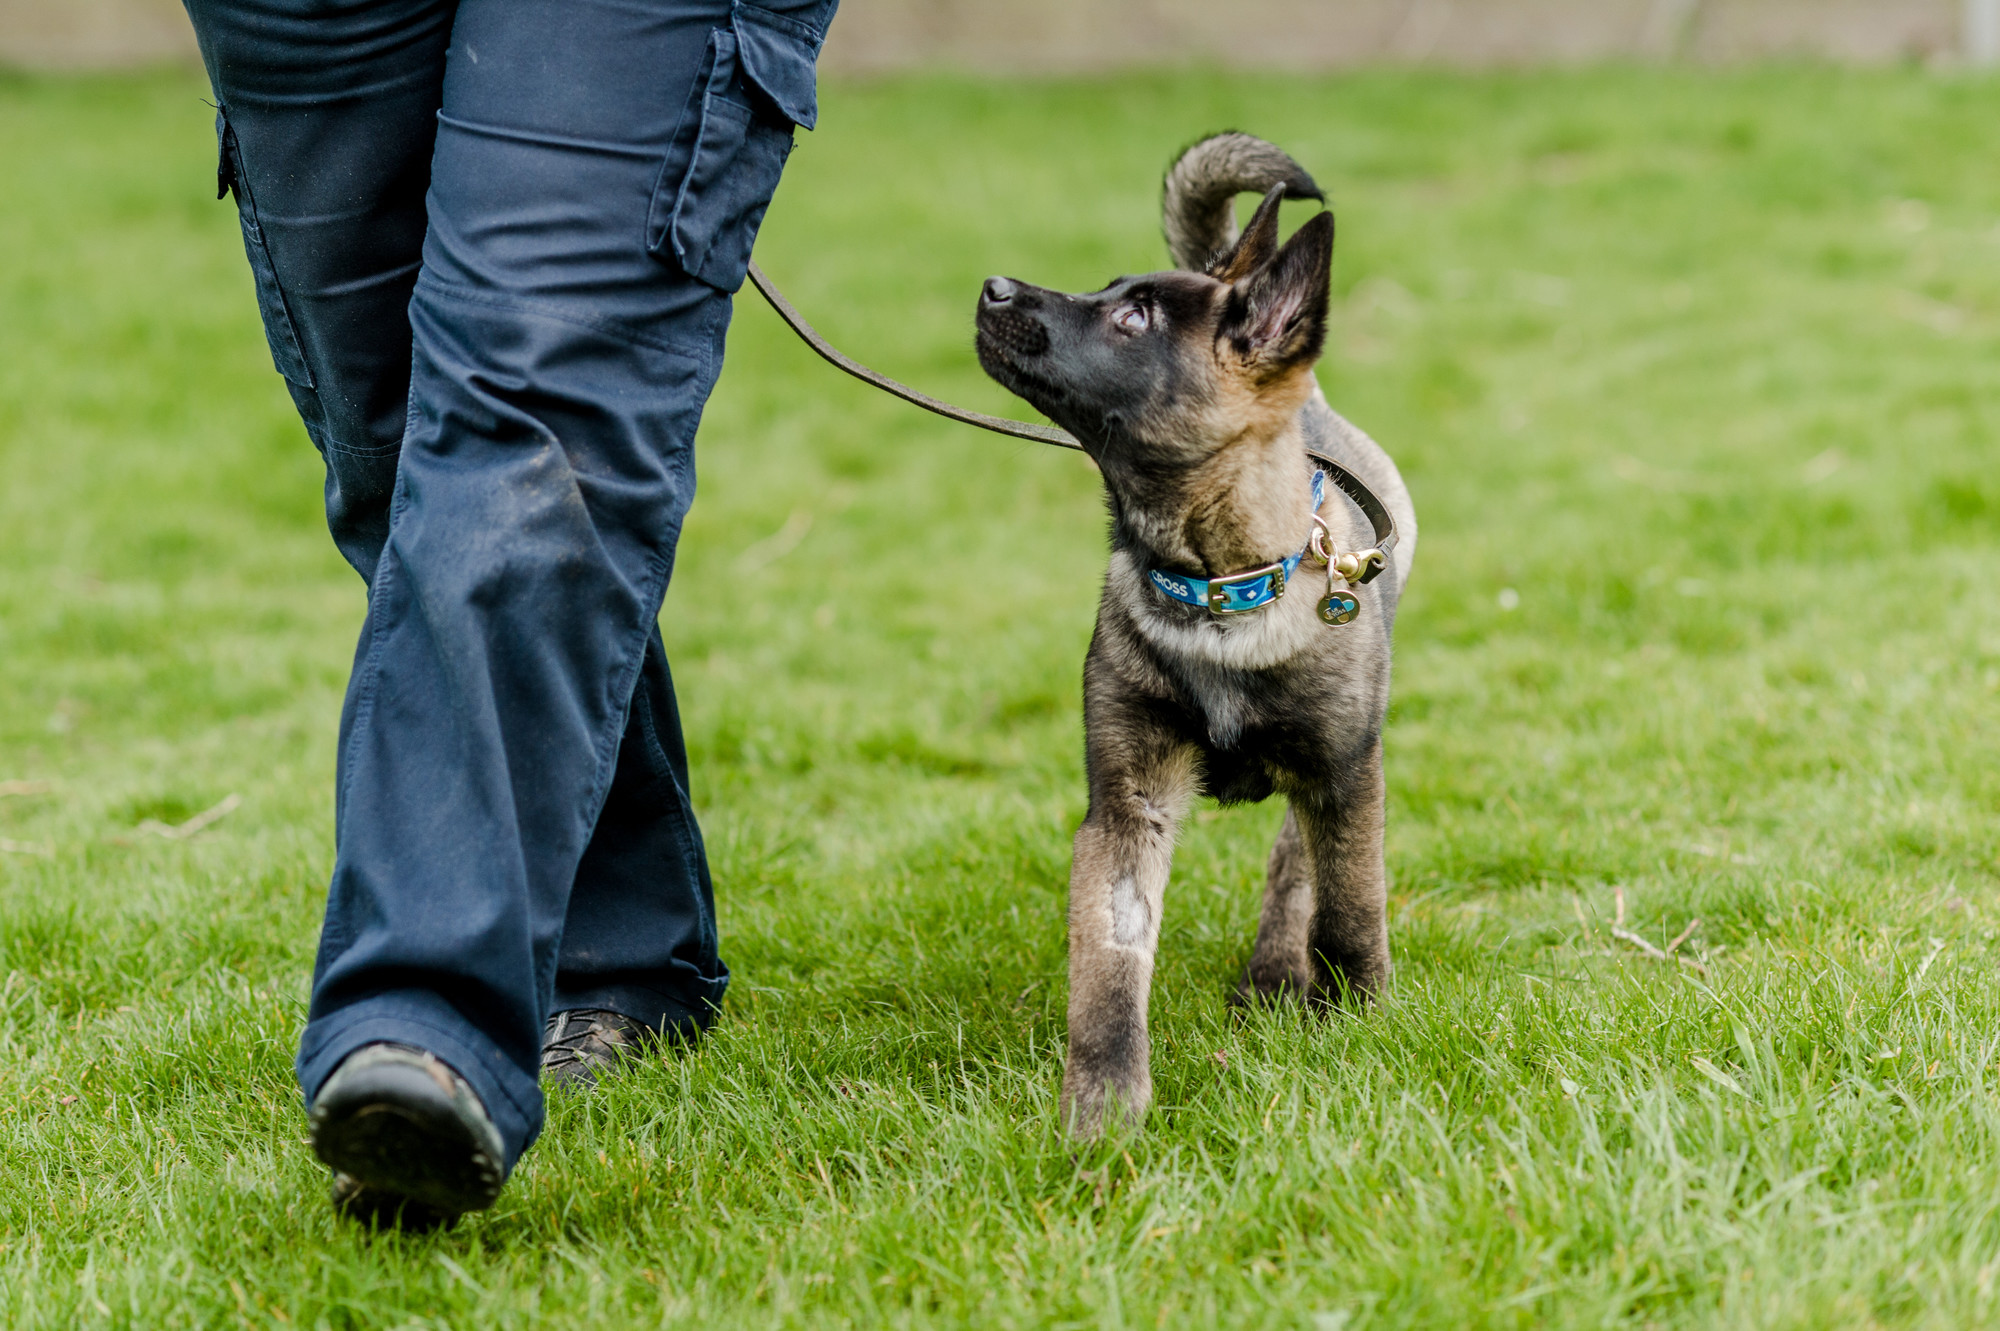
[(669, 1014), (428, 1022)]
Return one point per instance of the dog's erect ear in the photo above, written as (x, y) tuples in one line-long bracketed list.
[(1276, 316), (1259, 242)]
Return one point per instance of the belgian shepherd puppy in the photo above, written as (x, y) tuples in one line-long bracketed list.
[(1193, 390)]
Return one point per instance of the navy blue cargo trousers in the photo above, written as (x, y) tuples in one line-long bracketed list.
[(494, 243)]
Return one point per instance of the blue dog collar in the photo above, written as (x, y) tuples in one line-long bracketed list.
[(1252, 589)]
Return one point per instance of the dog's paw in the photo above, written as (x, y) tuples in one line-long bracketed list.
[(1270, 988), (1095, 1103), (1351, 984)]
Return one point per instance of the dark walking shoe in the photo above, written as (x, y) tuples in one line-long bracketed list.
[(584, 1044), (409, 1142)]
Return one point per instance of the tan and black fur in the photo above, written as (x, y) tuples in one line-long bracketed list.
[(1193, 391)]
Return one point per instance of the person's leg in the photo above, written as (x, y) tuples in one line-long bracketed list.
[(639, 938), (600, 171), (326, 116), (326, 113), (638, 965), (640, 934)]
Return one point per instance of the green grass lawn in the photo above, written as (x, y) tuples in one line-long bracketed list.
[(1694, 378)]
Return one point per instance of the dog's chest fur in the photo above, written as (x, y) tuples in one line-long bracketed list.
[(1273, 698), (1268, 720)]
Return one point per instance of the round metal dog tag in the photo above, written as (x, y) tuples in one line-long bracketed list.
[(1338, 607)]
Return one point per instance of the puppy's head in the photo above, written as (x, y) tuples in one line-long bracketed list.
[(1156, 374)]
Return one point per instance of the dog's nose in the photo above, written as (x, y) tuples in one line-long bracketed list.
[(997, 291)]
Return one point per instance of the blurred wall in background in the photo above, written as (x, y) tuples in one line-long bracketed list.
[(1324, 34), (1011, 36), (88, 34)]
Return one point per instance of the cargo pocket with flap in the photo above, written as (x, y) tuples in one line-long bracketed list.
[(278, 330), (757, 86)]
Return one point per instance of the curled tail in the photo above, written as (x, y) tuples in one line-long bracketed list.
[(1197, 203)]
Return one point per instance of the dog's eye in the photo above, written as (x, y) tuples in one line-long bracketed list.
[(1131, 318)]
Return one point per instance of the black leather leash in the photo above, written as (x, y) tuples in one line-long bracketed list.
[(1041, 434), (1377, 512)]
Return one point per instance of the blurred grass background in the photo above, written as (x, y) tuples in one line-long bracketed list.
[(1694, 371)]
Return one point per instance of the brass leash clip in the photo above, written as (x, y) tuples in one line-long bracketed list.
[(1360, 566)]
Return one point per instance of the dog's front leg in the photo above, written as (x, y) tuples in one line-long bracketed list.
[(1341, 826), (1141, 784), (1281, 964)]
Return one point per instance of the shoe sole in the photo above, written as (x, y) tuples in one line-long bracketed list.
[(404, 1141)]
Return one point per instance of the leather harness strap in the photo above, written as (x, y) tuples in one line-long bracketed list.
[(1365, 499)]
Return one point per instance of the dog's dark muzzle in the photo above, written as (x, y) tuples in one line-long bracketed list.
[(1009, 321)]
